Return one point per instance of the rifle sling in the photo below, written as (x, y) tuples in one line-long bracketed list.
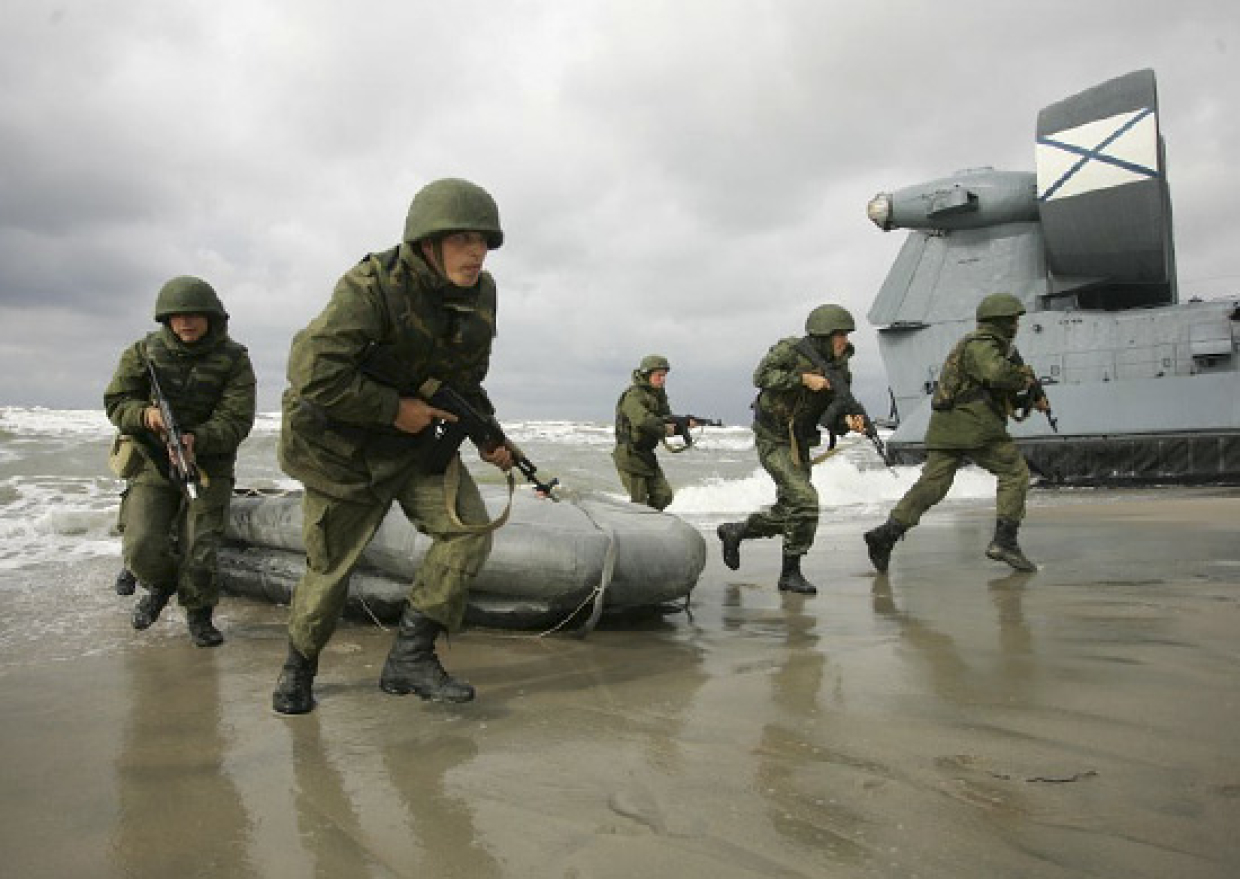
[(451, 484)]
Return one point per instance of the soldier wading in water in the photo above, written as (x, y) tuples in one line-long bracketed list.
[(427, 309), (642, 414), (793, 399), (978, 387)]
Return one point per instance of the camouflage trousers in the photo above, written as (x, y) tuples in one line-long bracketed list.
[(794, 515), (653, 491), (1002, 459), (156, 514), (336, 532)]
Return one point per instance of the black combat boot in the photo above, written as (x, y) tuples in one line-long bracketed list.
[(881, 541), (731, 533), (1004, 548), (294, 689), (151, 605), (201, 629), (126, 582), (413, 667), (791, 579)]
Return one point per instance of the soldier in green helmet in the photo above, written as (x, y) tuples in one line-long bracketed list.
[(977, 391), (642, 414), (426, 309), (793, 399), (169, 540)]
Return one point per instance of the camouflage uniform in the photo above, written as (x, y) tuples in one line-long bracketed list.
[(640, 427), (339, 440), (786, 426), (787, 418), (974, 430), (978, 386), (211, 388)]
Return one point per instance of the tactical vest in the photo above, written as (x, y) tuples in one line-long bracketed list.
[(445, 337), (624, 427), (193, 381), (956, 386)]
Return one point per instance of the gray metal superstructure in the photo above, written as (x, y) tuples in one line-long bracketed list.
[(1145, 388)]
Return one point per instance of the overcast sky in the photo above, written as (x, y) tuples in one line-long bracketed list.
[(687, 178)]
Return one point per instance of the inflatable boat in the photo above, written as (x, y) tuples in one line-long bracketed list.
[(554, 562)]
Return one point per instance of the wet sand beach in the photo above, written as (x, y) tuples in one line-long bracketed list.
[(948, 719)]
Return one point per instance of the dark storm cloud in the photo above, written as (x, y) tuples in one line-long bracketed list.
[(685, 178)]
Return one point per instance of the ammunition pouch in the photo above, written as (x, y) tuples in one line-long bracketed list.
[(126, 458)]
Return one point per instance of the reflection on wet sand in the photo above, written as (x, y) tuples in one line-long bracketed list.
[(180, 813), (327, 822), (790, 747), (946, 720), (441, 822)]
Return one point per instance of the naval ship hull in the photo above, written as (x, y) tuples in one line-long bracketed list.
[(1145, 388)]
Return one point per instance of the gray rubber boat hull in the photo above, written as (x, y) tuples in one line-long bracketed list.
[(547, 562)]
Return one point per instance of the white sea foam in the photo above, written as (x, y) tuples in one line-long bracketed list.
[(56, 518), (843, 487), (57, 500), (35, 420)]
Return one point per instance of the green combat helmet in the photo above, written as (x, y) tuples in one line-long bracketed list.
[(651, 362), (827, 319), (999, 305), (188, 295), (453, 205)]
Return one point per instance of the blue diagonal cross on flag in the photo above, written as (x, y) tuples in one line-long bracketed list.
[(1098, 155)]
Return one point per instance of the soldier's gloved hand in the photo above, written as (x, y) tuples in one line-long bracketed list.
[(414, 415), (1027, 371)]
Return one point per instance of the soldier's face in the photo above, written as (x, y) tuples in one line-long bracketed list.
[(658, 378), (839, 343), (189, 328), (463, 256)]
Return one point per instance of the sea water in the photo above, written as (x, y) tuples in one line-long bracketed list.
[(59, 501)]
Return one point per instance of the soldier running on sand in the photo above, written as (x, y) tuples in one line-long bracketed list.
[(793, 399), (977, 392), (358, 444)]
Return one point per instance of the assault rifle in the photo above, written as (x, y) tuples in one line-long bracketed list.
[(181, 467), (1029, 398), (682, 423), (844, 403), (483, 430), (442, 439)]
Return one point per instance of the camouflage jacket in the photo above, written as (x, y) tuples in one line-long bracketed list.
[(982, 381), (784, 400), (640, 426), (210, 386), (391, 324)]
